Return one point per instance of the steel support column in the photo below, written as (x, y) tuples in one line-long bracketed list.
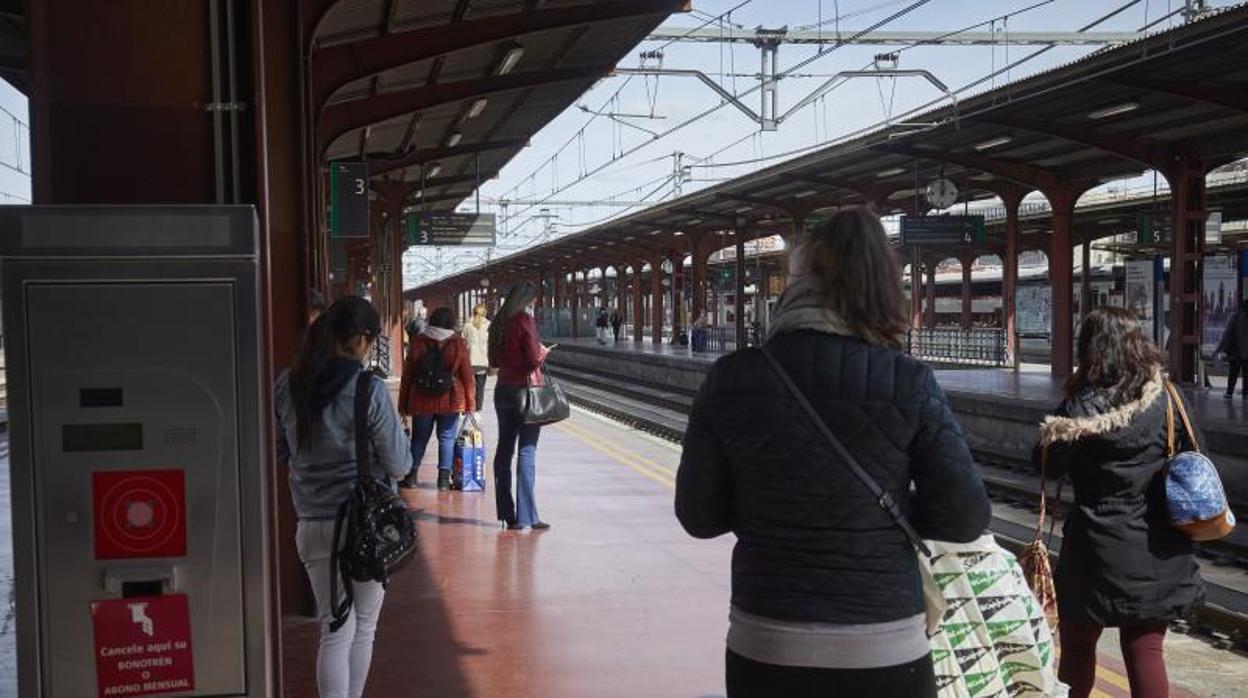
[(916, 289), (929, 290), (637, 313), (739, 262), (1009, 277), (1187, 191), (678, 293), (1061, 263), (656, 299), (1085, 280), (967, 295), (575, 294), (698, 302)]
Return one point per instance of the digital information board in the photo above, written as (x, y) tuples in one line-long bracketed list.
[(450, 229)]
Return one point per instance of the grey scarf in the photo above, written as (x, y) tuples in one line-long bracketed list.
[(804, 306)]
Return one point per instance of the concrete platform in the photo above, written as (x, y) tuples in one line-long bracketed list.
[(615, 600)]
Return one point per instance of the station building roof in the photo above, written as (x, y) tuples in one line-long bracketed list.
[(1148, 104), (443, 93)]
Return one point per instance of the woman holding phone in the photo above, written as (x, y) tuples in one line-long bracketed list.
[(515, 351)]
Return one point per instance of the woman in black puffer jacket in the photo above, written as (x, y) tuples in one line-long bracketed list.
[(826, 593), (1123, 564)]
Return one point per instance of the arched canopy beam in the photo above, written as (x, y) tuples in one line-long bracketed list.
[(1146, 152), (336, 66), (342, 118)]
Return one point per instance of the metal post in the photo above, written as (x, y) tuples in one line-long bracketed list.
[(656, 299), (638, 312), (740, 290), (967, 295), (1187, 186), (1061, 253), (929, 290), (1009, 278), (1085, 281)]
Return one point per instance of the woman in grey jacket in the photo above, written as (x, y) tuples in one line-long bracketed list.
[(316, 435)]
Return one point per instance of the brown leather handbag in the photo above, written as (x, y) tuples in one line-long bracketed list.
[(1034, 557)]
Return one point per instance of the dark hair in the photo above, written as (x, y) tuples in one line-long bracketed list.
[(316, 301), (348, 318), (518, 297), (443, 317), (851, 256), (1114, 356)]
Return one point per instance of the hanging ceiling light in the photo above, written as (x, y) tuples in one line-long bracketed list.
[(477, 107), (891, 172), (510, 59), (1115, 110), (454, 139), (993, 142)]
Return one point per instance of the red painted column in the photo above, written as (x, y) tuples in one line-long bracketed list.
[(1187, 187), (967, 294), (621, 290), (638, 310), (1061, 261), (576, 301), (916, 289), (1009, 277), (930, 291), (739, 234), (698, 302), (656, 300), (678, 292)]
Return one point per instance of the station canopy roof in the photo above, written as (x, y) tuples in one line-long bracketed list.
[(446, 92), (1111, 115)]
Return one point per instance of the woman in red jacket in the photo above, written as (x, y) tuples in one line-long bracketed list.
[(436, 389), (518, 355)]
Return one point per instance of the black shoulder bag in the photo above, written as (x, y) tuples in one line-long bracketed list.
[(373, 532), (882, 498), (543, 404)]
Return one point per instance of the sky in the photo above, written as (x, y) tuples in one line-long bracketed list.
[(14, 146), (576, 158)]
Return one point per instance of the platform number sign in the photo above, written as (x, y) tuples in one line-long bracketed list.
[(348, 200)]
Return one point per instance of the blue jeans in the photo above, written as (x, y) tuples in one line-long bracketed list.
[(523, 511), (448, 431)]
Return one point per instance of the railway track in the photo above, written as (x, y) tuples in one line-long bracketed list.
[(1222, 617)]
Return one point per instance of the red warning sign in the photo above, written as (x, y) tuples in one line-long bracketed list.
[(143, 645), (139, 513)]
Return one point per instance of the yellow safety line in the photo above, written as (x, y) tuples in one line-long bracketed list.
[(1098, 693), (636, 463), (628, 454), (657, 474), (1113, 677)]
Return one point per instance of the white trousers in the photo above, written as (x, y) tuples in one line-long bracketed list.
[(343, 658)]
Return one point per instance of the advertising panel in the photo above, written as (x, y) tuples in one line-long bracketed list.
[(1218, 303), (1141, 290)]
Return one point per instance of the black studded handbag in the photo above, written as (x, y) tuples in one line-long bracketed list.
[(373, 533)]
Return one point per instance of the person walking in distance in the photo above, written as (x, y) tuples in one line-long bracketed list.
[(315, 402), (1123, 564), (826, 586), (617, 321), (437, 387), (477, 334), (602, 323), (515, 351), (1234, 345)]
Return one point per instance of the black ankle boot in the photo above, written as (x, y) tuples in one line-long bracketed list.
[(444, 480), (409, 482)]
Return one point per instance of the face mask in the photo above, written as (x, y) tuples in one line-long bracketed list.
[(528, 309)]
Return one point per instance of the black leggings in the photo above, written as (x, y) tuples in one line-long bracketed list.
[(1232, 375), (480, 377), (750, 679)]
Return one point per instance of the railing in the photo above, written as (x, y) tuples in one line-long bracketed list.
[(380, 359), (717, 340), (979, 347)]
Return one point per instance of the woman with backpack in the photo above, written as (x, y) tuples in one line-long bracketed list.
[(826, 591), (437, 387), (1123, 564), (316, 422), (518, 355)]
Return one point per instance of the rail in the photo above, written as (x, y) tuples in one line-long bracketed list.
[(978, 347)]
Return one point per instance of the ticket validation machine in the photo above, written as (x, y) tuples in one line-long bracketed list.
[(138, 490)]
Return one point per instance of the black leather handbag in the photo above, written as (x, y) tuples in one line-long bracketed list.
[(543, 404)]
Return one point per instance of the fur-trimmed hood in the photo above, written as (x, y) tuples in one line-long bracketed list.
[(1067, 429)]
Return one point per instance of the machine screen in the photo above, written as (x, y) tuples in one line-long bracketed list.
[(102, 437)]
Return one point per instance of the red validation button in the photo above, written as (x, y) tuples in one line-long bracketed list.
[(143, 646), (139, 513)]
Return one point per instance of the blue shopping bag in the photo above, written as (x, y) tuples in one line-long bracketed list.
[(468, 470)]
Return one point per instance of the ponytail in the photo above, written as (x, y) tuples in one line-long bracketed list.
[(312, 358), (345, 320)]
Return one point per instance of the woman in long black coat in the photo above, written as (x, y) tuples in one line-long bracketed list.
[(1123, 564)]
